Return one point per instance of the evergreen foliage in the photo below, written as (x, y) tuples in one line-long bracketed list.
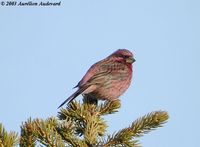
[(7, 139), (82, 125)]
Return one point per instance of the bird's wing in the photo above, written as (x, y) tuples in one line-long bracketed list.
[(98, 77), (95, 70), (88, 86), (98, 72)]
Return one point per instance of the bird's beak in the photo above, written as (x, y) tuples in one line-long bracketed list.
[(130, 60)]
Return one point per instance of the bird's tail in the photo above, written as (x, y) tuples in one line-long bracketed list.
[(74, 95)]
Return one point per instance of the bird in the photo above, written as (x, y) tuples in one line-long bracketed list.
[(107, 79)]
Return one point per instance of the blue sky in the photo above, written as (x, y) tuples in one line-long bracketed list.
[(45, 51)]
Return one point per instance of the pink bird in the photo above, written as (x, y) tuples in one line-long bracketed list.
[(107, 79)]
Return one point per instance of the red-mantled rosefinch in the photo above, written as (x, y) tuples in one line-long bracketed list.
[(106, 79)]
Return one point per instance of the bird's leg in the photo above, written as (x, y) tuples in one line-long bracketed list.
[(89, 99)]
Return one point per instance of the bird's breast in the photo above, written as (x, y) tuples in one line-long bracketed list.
[(113, 85)]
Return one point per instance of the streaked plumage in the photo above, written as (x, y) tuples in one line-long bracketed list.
[(106, 79)]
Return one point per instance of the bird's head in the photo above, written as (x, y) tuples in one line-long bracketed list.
[(123, 55)]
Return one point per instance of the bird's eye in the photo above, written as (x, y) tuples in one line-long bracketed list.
[(125, 56)]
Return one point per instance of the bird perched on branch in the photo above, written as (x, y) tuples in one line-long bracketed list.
[(106, 79)]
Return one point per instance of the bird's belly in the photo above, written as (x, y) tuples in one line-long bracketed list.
[(112, 89)]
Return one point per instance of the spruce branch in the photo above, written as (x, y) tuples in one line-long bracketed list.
[(72, 112), (86, 121), (28, 136), (47, 134), (7, 139), (82, 125), (143, 125), (40, 131), (66, 131), (109, 107)]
